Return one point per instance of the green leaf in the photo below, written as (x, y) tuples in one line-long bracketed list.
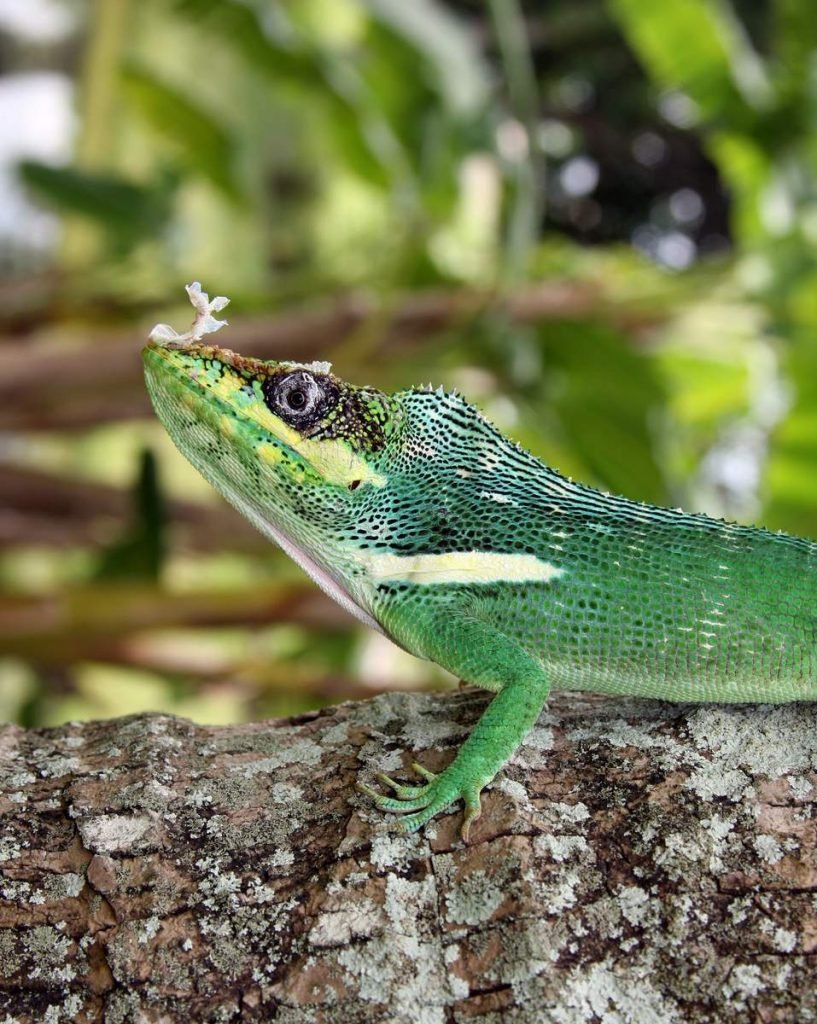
[(698, 46), (204, 145), (445, 45), (127, 210), (238, 25)]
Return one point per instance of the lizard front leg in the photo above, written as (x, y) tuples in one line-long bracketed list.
[(480, 654)]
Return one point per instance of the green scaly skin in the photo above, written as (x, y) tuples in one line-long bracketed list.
[(428, 524)]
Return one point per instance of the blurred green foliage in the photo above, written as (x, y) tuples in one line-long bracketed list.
[(624, 193)]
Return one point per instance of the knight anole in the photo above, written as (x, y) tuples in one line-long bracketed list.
[(426, 523)]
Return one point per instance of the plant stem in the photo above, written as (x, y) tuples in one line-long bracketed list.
[(528, 170)]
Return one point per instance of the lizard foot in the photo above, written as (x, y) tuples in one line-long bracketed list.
[(421, 803)]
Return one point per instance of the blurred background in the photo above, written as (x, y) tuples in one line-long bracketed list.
[(595, 218)]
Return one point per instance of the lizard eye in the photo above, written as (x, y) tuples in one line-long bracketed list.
[(298, 398)]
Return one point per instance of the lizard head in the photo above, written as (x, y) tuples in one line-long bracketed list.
[(292, 446)]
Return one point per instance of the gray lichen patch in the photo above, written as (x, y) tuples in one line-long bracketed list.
[(763, 740), (426, 733), (40, 953), (639, 908), (801, 788), (768, 848), (396, 850), (620, 732), (360, 919), (713, 779), (304, 752), (51, 888), (539, 738), (514, 952), (117, 833), (410, 905), (395, 959), (484, 882), (601, 993), (474, 899), (404, 972), (707, 844), (562, 848)]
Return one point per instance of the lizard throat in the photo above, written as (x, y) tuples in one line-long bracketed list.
[(328, 584)]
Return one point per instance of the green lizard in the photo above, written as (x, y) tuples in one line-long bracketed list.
[(425, 522)]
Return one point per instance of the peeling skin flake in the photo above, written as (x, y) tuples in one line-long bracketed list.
[(315, 367), (203, 323)]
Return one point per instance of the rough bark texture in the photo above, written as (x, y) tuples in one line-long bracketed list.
[(636, 862)]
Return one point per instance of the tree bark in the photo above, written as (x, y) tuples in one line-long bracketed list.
[(635, 862)]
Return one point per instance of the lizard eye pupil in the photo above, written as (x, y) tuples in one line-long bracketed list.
[(296, 399)]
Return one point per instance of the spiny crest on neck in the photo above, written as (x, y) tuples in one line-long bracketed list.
[(451, 404)]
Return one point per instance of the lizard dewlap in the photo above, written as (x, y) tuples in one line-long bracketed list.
[(426, 523)]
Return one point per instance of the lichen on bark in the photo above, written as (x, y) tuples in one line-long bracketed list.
[(635, 862)]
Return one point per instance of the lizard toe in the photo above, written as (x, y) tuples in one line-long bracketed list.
[(397, 805), (402, 791), (426, 774)]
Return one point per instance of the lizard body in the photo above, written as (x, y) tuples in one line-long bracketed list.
[(424, 521)]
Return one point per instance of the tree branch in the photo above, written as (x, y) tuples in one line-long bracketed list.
[(635, 862)]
